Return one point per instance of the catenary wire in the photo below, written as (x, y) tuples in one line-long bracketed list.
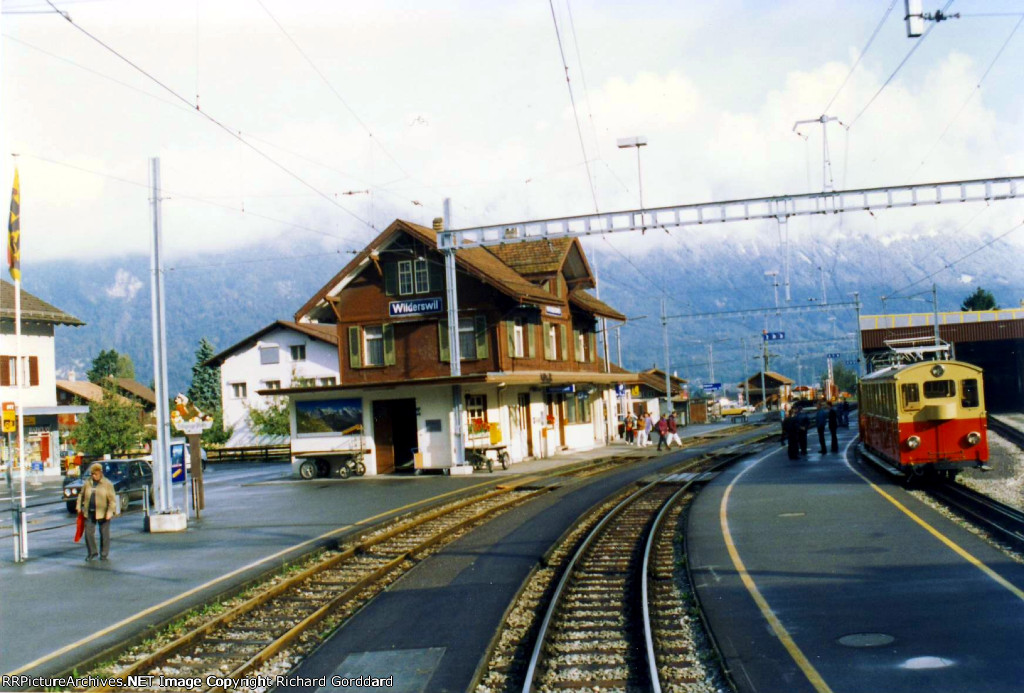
[(970, 96), (219, 124), (860, 57)]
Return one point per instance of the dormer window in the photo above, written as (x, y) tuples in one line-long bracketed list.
[(413, 277)]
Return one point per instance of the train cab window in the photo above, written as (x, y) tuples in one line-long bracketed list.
[(969, 393), (911, 395), (933, 389)]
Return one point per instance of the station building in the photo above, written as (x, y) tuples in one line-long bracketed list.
[(532, 383), (990, 339)]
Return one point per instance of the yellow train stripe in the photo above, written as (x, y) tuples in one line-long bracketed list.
[(168, 602), (780, 631)]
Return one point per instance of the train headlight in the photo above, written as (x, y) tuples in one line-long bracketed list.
[(937, 371), (973, 438), (913, 442)]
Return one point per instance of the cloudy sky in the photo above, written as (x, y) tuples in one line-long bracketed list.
[(310, 125)]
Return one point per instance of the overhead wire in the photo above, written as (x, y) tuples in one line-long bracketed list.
[(970, 96), (860, 57), (233, 133), (913, 49)]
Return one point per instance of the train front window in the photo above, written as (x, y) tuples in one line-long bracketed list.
[(969, 393), (911, 394), (934, 389)]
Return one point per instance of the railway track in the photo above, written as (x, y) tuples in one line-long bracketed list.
[(1000, 521), (1010, 433), (615, 619)]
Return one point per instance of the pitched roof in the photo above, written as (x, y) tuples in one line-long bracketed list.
[(534, 257), (32, 308), (755, 379), (137, 389), (655, 379), (582, 299), (323, 333), (85, 390), (479, 262)]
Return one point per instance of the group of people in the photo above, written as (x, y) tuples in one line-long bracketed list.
[(796, 424), (638, 430)]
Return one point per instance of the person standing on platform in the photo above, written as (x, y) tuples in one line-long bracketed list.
[(673, 431), (791, 434), (820, 420), (643, 430), (833, 424), (844, 413), (97, 502), (630, 428), (662, 427), (803, 422)]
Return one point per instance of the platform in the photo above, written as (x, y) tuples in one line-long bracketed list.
[(813, 580)]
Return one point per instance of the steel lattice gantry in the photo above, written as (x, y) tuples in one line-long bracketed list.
[(779, 207)]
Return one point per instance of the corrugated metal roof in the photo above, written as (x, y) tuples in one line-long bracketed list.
[(953, 333)]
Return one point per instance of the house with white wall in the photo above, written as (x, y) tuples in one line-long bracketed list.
[(281, 355), (43, 417)]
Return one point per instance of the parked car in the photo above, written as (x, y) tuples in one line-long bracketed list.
[(129, 477)]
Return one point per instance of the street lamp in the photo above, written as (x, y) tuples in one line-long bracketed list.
[(638, 141)]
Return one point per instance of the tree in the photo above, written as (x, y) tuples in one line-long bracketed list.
[(979, 300), (846, 380), (273, 420), (110, 364), (113, 425), (205, 393)]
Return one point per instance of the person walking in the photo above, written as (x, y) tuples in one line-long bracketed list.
[(662, 427), (791, 434), (820, 419), (833, 424), (97, 502), (673, 431)]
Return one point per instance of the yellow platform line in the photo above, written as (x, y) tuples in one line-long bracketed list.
[(780, 631)]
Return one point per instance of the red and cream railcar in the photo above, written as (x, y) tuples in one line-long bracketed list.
[(925, 417)]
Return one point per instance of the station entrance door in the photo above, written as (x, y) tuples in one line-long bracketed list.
[(394, 434)]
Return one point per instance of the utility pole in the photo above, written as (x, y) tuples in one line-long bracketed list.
[(668, 377), (860, 348), (161, 450), (935, 313), (454, 348)]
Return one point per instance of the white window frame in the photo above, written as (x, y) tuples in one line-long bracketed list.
[(373, 334), (517, 338), (298, 349), (421, 276), (467, 326), (328, 382), (239, 390), (581, 346), (552, 337), (271, 384), (406, 284)]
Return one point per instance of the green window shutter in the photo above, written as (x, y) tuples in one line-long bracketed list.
[(442, 341), (391, 278), (388, 332), (561, 342), (436, 272), (593, 347), (510, 331), (480, 332), (354, 337), (531, 343), (545, 337)]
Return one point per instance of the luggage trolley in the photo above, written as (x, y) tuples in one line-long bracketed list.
[(479, 457), (341, 463)]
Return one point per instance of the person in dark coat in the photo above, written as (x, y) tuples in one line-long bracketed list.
[(820, 420), (833, 424), (791, 433), (803, 422)]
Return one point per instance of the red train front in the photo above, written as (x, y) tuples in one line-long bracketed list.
[(925, 417)]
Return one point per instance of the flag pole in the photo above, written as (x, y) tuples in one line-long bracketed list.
[(19, 374)]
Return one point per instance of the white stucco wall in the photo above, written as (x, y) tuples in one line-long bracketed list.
[(36, 340), (245, 366)]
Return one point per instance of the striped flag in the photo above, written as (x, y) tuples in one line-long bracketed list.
[(14, 232)]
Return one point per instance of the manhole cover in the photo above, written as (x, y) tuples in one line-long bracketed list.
[(866, 640)]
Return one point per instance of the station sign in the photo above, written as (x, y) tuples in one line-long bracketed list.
[(850, 363), (711, 387), (834, 355), (422, 306), (560, 389), (773, 336)]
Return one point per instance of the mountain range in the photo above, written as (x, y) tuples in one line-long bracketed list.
[(226, 297)]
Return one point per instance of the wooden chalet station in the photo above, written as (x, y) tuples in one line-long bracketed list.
[(531, 382)]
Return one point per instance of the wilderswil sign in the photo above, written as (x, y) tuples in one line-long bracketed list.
[(422, 306)]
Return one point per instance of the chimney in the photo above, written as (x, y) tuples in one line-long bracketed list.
[(439, 224)]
